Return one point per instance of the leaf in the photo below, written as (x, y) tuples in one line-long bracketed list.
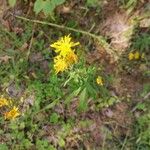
[(57, 2), (47, 6), (54, 118), (141, 106), (130, 3), (12, 3), (3, 147), (27, 144), (72, 95), (82, 100), (91, 91), (38, 6), (61, 142)]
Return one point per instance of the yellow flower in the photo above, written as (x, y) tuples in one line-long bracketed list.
[(64, 45), (71, 58), (12, 114), (66, 55), (3, 102), (99, 80), (136, 55), (131, 56), (60, 64)]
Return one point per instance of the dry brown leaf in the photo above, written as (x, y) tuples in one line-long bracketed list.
[(17, 30), (24, 47), (5, 58), (64, 10)]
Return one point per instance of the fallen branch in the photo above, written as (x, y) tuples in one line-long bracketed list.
[(101, 39)]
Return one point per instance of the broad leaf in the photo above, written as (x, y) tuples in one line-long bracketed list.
[(47, 6), (38, 6)]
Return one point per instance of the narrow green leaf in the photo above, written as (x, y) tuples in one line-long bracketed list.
[(83, 100), (72, 95), (130, 3)]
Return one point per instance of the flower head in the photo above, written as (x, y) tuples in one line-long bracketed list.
[(99, 80), (131, 56), (65, 54), (71, 58), (12, 114), (4, 102), (64, 45), (60, 64), (137, 55)]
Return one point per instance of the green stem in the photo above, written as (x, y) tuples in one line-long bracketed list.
[(101, 39)]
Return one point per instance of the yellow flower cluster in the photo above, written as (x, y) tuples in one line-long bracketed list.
[(135, 56), (3, 102), (13, 113), (65, 54), (99, 81)]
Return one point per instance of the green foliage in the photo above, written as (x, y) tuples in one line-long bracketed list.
[(143, 132), (15, 67), (44, 145), (12, 2), (47, 6), (3, 147), (82, 82), (53, 111), (146, 89), (142, 42), (92, 3), (142, 124), (54, 118), (44, 91), (141, 106), (83, 100), (107, 101), (129, 5), (16, 134)]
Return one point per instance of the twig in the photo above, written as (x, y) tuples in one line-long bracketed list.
[(141, 101), (113, 53), (31, 41), (146, 96), (124, 143)]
